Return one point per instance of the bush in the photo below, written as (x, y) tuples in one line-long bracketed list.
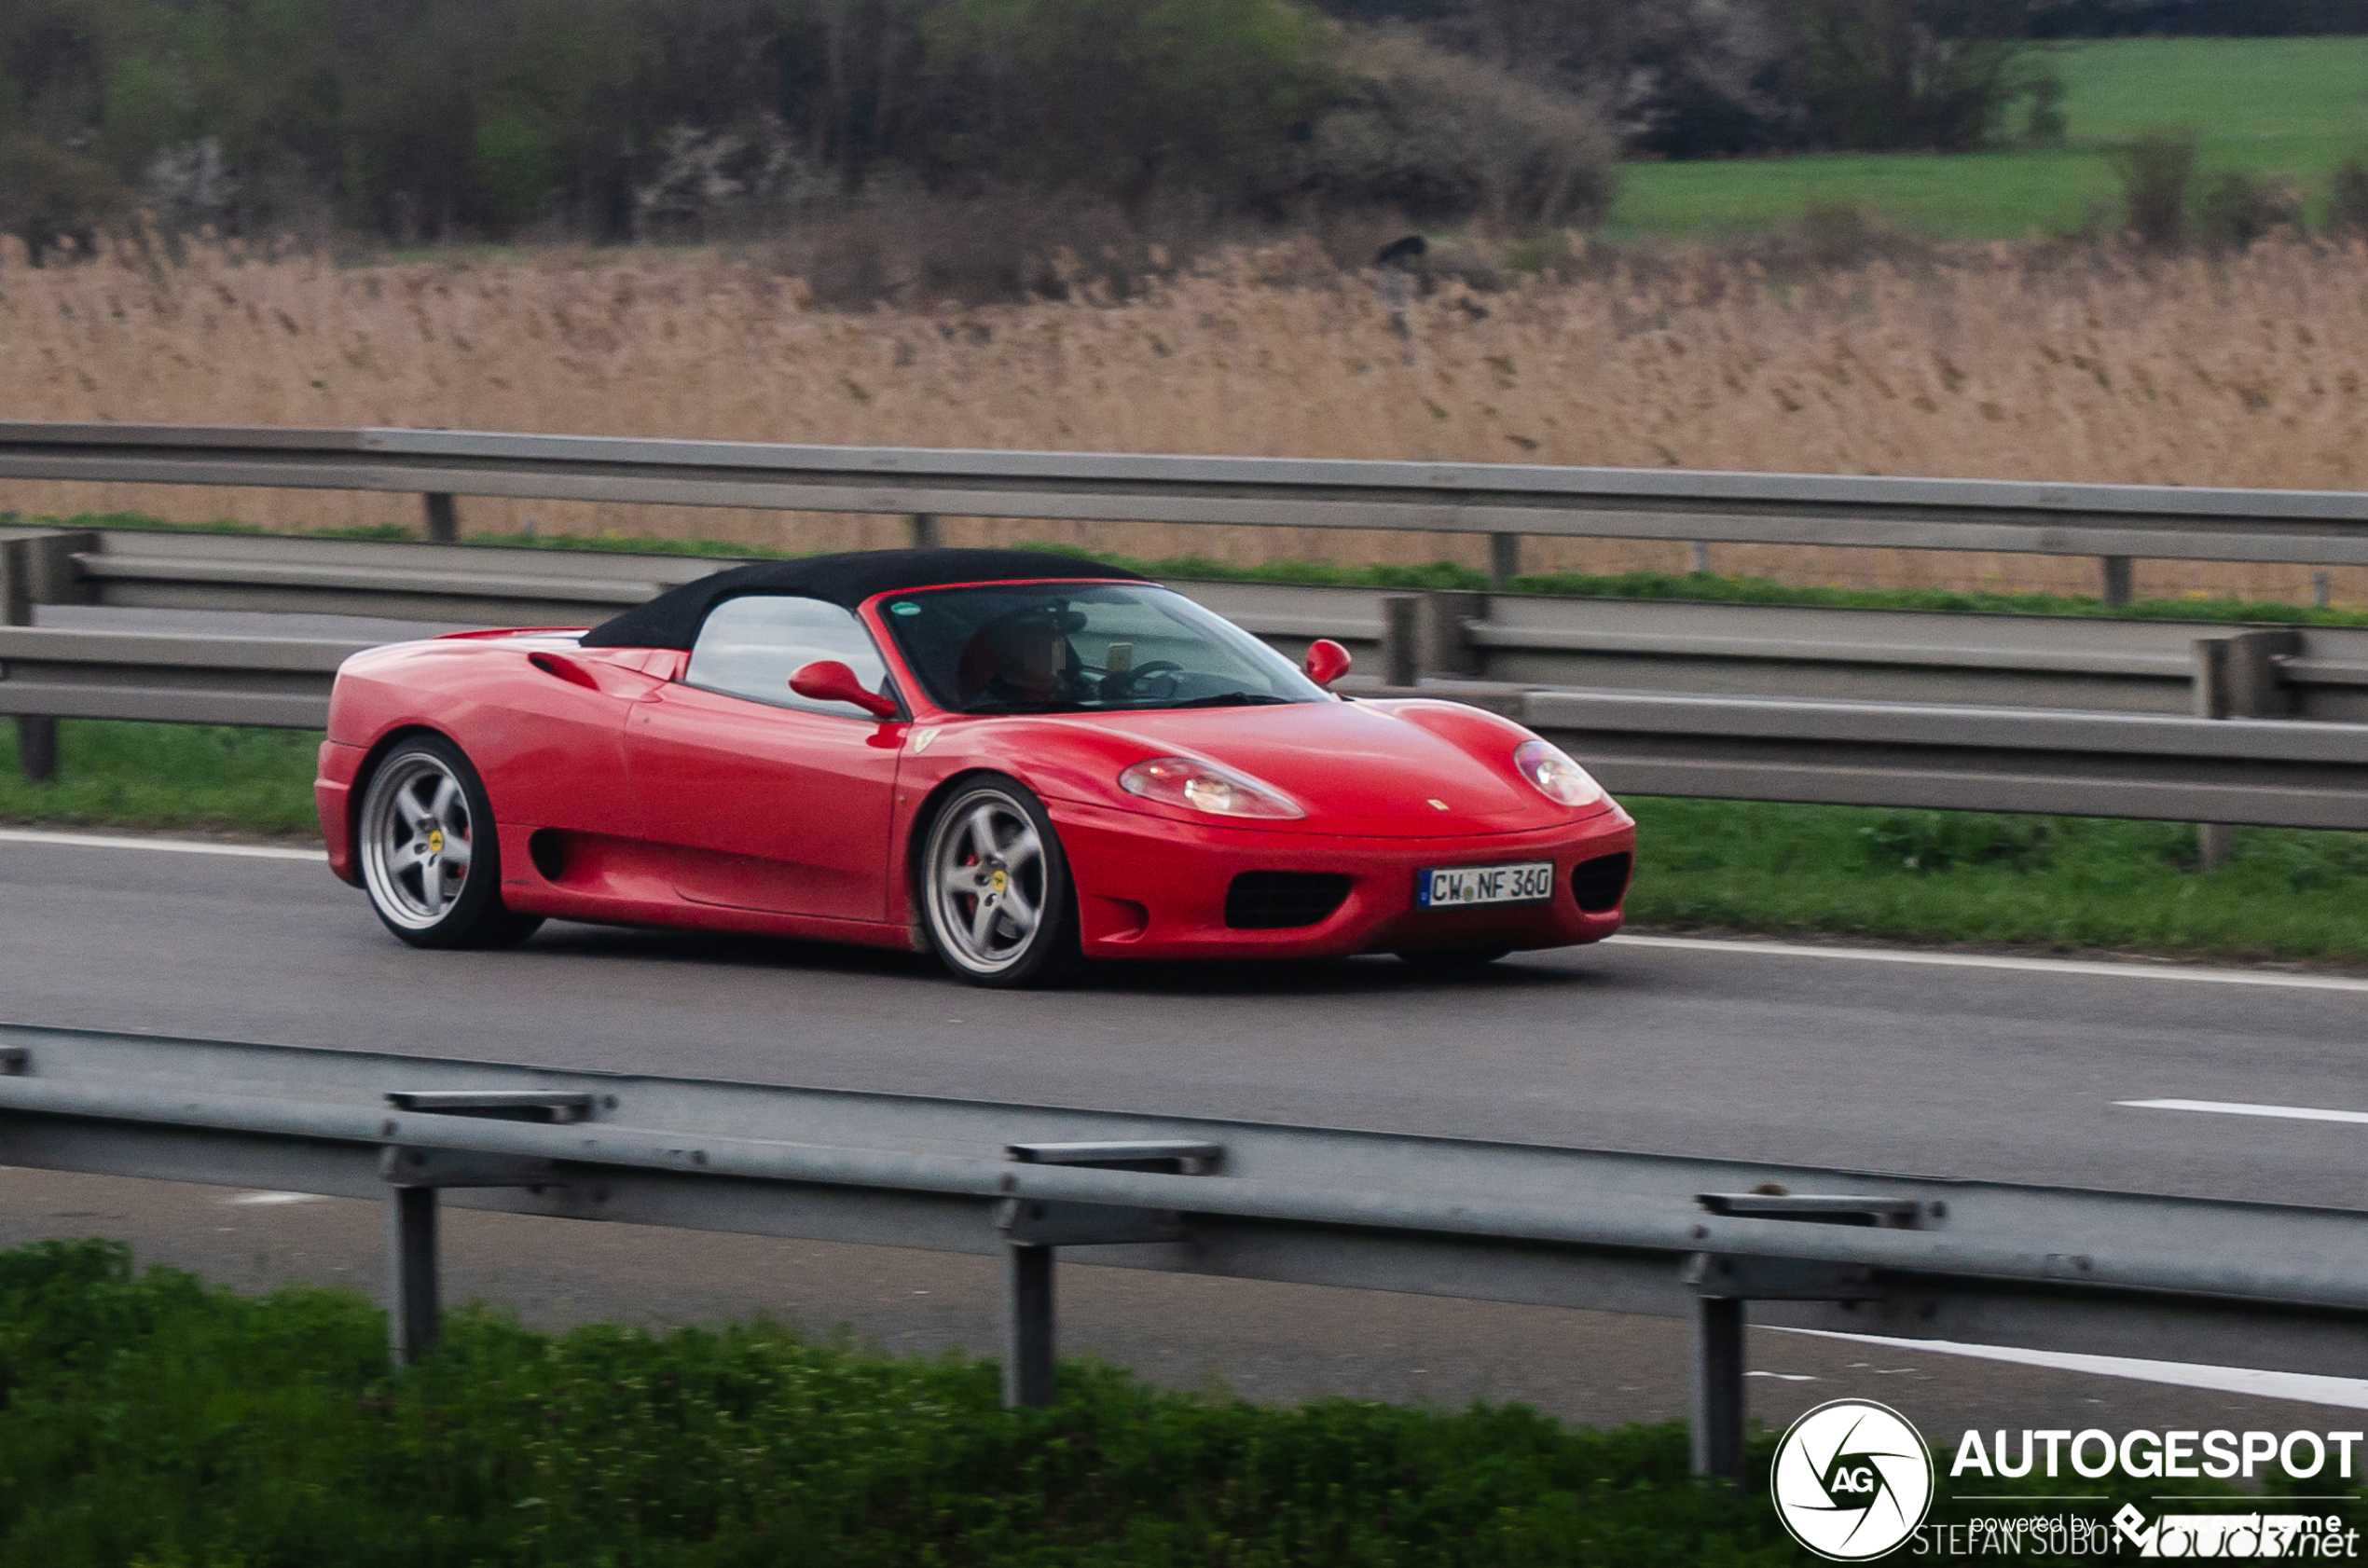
[(1443, 137), (2156, 172), (2347, 197), (2239, 208), (152, 1419), (2043, 122), (510, 166), (49, 195), (1884, 75), (1122, 98)]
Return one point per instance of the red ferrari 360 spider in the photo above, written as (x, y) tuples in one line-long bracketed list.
[(1010, 757)]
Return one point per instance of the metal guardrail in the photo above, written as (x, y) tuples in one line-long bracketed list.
[(2269, 1286), (276, 683), (2103, 664), (2262, 772), (451, 585), (2266, 772), (1807, 732), (1506, 502), (2109, 665)]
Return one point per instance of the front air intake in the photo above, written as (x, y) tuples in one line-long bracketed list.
[(1274, 900), (1599, 883)]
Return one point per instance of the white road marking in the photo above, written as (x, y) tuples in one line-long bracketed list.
[(172, 846), (2234, 1108), (1784, 1377), (274, 1198), (2308, 1388), (1983, 961)]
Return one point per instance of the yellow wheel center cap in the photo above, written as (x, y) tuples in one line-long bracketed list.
[(999, 881), (436, 841)]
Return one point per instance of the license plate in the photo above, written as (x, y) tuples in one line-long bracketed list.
[(1467, 887)]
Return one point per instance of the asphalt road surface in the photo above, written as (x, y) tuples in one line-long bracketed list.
[(1756, 1052)]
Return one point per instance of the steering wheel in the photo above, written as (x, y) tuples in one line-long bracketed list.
[(1121, 684)]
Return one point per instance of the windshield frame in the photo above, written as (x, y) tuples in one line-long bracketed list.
[(915, 674)]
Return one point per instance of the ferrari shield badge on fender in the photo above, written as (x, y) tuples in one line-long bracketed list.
[(921, 738)]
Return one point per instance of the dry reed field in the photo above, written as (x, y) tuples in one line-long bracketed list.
[(1988, 361)]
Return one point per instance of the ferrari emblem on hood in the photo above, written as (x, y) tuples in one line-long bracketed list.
[(1439, 804)]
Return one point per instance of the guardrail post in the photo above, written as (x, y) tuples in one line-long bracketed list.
[(1716, 1390), (1402, 640), (1445, 643), (38, 748), (924, 531), (2119, 571), (2240, 676), (444, 517), (413, 1314), (36, 733), (1723, 1283), (1504, 560), (413, 1175), (1032, 1228), (16, 583), (1027, 1326)]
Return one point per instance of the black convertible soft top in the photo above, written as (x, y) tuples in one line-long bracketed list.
[(673, 620)]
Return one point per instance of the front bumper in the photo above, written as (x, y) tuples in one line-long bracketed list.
[(1151, 887)]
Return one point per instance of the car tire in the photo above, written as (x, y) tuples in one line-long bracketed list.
[(1450, 959), (993, 886), (424, 802)]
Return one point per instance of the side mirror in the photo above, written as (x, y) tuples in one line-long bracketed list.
[(1327, 661), (829, 681)]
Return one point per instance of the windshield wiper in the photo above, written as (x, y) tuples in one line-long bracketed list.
[(983, 709), (1223, 700), (1231, 700)]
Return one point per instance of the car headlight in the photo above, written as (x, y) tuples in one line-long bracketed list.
[(1205, 787), (1556, 778)]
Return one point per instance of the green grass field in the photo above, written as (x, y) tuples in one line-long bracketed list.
[(2294, 106)]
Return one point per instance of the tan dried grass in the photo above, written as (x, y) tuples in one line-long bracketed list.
[(1990, 363)]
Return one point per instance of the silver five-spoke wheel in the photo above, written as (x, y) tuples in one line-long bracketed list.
[(417, 839), (994, 891)]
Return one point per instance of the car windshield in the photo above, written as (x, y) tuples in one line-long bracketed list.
[(1083, 647)]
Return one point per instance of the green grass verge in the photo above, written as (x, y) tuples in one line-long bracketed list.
[(1909, 875), (111, 772), (148, 1420), (1698, 586), (1941, 876), (2293, 106)]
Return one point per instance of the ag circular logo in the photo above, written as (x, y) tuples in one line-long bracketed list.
[(1852, 1479)]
